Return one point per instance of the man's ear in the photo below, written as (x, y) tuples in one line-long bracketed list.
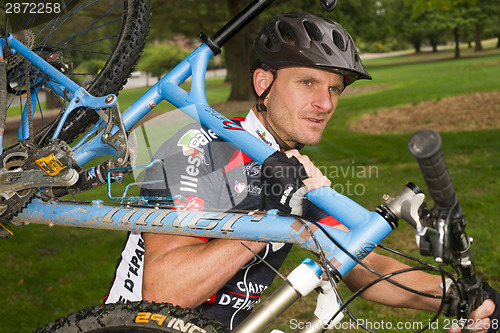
[(261, 80)]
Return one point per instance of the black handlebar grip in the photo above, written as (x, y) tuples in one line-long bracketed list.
[(425, 146)]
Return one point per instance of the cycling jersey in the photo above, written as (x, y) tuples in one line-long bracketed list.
[(209, 173)]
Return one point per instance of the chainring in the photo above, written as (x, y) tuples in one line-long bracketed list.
[(16, 157)]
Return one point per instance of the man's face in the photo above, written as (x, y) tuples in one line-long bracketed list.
[(301, 102)]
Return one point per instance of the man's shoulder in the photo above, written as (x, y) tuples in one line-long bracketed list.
[(197, 131), (197, 143), (200, 133), (193, 136)]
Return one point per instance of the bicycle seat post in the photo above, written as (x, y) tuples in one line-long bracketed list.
[(235, 25)]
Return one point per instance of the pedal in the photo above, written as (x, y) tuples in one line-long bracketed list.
[(26, 165)]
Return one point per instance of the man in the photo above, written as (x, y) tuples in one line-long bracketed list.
[(300, 66)]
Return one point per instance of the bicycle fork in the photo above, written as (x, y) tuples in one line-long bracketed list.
[(300, 282)]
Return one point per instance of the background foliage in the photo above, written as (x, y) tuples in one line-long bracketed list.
[(376, 25), (49, 272)]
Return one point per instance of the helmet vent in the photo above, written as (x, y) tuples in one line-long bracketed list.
[(268, 43), (339, 40), (287, 33), (327, 49), (312, 31)]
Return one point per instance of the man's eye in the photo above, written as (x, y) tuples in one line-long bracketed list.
[(306, 82), (335, 89)]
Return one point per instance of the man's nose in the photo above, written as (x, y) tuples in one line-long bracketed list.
[(324, 100)]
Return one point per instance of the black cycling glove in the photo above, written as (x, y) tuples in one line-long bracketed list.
[(451, 304), (495, 297), (282, 184)]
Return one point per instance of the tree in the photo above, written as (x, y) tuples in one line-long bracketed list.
[(237, 55), (487, 17), (158, 59), (435, 24), (389, 22), (207, 16), (193, 16), (452, 14)]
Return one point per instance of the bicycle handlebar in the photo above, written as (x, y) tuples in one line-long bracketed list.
[(425, 146), (447, 219)]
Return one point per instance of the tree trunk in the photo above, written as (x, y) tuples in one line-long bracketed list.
[(416, 42), (456, 33), (52, 100), (477, 38), (237, 53), (434, 44), (417, 45)]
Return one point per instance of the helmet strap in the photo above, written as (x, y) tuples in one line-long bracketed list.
[(261, 107)]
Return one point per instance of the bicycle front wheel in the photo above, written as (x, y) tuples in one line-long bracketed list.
[(96, 43), (141, 317)]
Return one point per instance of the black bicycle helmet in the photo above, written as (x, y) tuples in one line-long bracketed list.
[(302, 39)]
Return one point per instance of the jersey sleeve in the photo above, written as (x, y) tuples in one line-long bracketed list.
[(314, 213)]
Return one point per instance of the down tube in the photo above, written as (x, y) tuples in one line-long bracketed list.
[(270, 227)]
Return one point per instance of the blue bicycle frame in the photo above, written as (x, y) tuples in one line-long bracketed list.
[(366, 228), (341, 249)]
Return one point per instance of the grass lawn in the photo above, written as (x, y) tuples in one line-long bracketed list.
[(50, 272)]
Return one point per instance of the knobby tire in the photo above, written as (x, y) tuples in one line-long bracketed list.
[(121, 32), (111, 32), (142, 317), (116, 71)]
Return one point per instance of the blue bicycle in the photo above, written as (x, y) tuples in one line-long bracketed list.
[(43, 166)]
